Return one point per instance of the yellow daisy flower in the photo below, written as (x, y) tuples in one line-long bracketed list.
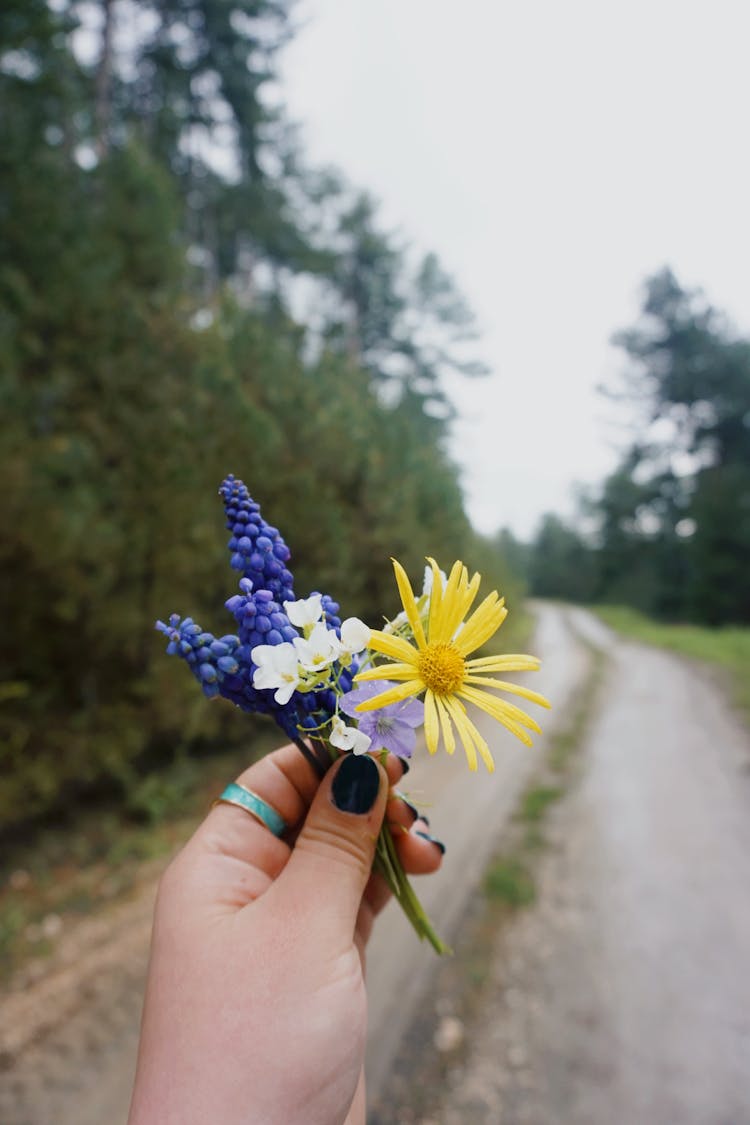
[(438, 666)]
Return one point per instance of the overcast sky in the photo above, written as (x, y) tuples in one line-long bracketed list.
[(553, 155)]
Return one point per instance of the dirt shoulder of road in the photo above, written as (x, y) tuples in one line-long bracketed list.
[(47, 992)]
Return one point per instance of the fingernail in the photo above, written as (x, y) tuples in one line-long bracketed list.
[(432, 840), (412, 808), (356, 785), (405, 766), (424, 817)]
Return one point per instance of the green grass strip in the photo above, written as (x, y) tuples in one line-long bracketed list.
[(509, 879), (726, 648)]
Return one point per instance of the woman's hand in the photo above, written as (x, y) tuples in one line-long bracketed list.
[(255, 1008)]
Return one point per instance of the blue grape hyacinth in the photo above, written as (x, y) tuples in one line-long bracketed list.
[(212, 661), (224, 666), (258, 549)]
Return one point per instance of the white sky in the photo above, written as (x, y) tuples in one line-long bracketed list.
[(553, 154)]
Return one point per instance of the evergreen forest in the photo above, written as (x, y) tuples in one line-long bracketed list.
[(182, 296), (668, 532)]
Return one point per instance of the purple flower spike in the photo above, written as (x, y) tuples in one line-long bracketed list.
[(257, 549), (391, 728), (224, 666)]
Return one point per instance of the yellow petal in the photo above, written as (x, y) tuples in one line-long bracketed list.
[(513, 689), (472, 589), (465, 597), (448, 604), (502, 712), (510, 662), (446, 726), (395, 647), (482, 747), (387, 672), (457, 713), (393, 695), (498, 707), (436, 598), (431, 731), (477, 741), (409, 604), (470, 737), (483, 623)]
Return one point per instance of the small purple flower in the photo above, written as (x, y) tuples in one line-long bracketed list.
[(391, 728)]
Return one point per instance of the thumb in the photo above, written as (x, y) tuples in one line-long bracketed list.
[(327, 872)]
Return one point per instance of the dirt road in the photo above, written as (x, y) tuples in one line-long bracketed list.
[(623, 996), (68, 1041)]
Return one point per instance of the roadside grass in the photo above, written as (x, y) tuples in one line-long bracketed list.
[(536, 801), (76, 868), (509, 879), (727, 648)]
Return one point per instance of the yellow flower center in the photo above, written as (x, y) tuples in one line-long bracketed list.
[(441, 667)]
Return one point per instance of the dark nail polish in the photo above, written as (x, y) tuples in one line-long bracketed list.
[(412, 808), (355, 787), (437, 843), (405, 766), (424, 817)]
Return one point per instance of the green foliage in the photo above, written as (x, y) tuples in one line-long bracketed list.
[(669, 532), (561, 565), (147, 349), (726, 648), (535, 802), (510, 881), (501, 571), (159, 794), (687, 517)]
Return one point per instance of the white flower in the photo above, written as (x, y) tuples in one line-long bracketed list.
[(318, 650), (306, 611), (428, 576), (277, 667), (349, 738), (423, 605), (398, 621), (354, 637)]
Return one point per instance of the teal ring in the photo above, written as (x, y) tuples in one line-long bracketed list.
[(235, 794)]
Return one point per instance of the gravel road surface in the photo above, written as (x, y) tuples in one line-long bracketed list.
[(622, 998)]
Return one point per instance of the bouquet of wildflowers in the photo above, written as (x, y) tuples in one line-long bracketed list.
[(337, 687)]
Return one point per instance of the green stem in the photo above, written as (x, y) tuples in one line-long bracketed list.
[(388, 864), (319, 766)]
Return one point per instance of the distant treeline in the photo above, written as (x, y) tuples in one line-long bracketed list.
[(163, 323), (669, 531)]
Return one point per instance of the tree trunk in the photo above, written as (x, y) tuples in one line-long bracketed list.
[(103, 80)]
